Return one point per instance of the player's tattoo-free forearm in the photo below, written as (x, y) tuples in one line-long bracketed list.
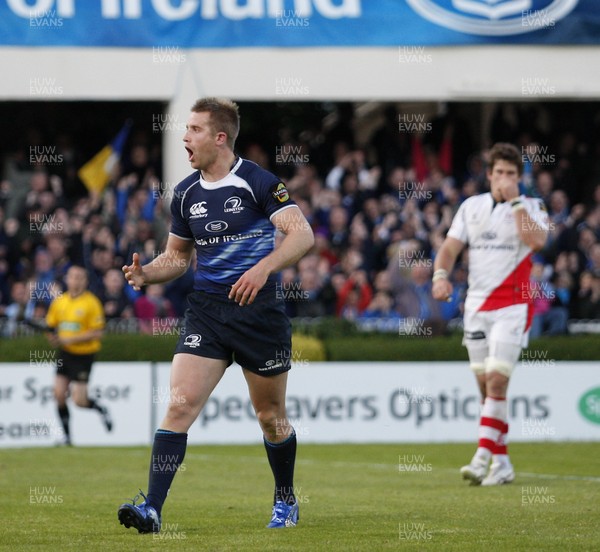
[(293, 247), (445, 259), (531, 234), (168, 266)]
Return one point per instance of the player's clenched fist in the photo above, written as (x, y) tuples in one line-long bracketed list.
[(441, 289), (134, 273)]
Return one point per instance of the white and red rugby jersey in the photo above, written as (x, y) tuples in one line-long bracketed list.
[(499, 262)]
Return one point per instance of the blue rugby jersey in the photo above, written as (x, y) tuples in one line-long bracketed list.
[(229, 221)]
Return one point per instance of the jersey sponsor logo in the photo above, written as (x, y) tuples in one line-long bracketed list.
[(280, 193), (489, 236), (197, 210), (216, 226), (192, 340), (233, 205), (493, 17), (228, 238)]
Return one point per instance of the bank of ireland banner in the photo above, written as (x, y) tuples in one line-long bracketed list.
[(296, 23)]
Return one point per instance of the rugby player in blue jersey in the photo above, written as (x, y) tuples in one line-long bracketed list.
[(227, 211)]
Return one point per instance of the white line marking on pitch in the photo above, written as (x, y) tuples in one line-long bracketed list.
[(342, 464)]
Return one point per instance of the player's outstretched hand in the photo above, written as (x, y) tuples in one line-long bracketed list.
[(134, 273)]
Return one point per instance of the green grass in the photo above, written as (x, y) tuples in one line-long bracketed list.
[(353, 497), (351, 346)]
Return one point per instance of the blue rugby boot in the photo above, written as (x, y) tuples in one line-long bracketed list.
[(284, 515), (143, 516)]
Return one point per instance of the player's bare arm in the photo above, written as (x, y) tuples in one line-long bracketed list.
[(442, 267), (52, 339), (169, 265), (531, 234), (298, 240)]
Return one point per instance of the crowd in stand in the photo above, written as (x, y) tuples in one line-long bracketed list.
[(379, 212)]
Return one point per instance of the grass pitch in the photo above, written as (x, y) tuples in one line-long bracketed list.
[(352, 497)]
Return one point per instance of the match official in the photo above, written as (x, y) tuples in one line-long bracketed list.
[(78, 320)]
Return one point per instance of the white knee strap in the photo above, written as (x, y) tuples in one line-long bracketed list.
[(478, 368), (496, 365)]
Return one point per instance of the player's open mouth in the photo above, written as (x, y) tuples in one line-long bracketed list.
[(190, 153)]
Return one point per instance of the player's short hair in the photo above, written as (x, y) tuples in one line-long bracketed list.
[(503, 151), (224, 116)]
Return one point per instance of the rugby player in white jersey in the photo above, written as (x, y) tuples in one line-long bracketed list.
[(502, 228)]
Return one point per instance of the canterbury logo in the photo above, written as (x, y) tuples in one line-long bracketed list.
[(198, 208)]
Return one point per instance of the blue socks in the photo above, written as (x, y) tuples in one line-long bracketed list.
[(168, 452), (282, 457)]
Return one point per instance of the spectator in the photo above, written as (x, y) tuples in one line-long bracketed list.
[(559, 213), (544, 184), (57, 248), (587, 303), (19, 309), (338, 229), (42, 278), (413, 295), (288, 283), (593, 264), (380, 314), (381, 306), (151, 307), (309, 301), (113, 297), (322, 247), (587, 238), (354, 296), (454, 308), (550, 306), (101, 262)]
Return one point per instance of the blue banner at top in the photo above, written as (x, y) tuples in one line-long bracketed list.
[(296, 23)]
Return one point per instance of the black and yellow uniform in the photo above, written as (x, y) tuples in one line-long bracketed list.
[(72, 316)]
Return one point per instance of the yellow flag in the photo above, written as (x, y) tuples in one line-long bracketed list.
[(97, 172)]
